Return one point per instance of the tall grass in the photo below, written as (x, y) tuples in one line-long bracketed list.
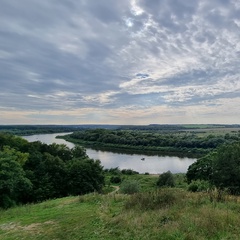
[(153, 200), (161, 214)]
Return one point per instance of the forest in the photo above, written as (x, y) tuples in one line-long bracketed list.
[(33, 172), (164, 140)]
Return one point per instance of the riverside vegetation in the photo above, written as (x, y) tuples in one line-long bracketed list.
[(178, 140), (201, 204)]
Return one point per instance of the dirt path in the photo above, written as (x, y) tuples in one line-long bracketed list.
[(115, 190)]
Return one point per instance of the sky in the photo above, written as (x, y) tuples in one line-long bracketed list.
[(119, 62)]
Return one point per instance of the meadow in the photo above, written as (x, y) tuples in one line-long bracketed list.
[(152, 213)]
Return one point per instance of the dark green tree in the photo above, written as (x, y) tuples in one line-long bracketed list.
[(84, 176), (48, 174), (14, 185), (226, 168), (202, 169), (220, 168)]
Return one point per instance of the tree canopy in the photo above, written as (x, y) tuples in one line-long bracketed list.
[(32, 172), (221, 168)]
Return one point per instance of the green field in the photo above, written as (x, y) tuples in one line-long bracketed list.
[(166, 214)]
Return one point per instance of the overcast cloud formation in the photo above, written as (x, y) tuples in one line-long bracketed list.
[(119, 62)]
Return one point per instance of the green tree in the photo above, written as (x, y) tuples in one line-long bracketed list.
[(48, 174), (84, 176), (220, 168), (226, 168), (202, 169), (14, 185), (79, 152)]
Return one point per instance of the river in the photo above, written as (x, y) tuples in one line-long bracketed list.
[(138, 162)]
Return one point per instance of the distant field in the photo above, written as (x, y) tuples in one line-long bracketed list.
[(214, 130)]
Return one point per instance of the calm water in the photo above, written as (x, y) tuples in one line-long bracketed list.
[(151, 164)]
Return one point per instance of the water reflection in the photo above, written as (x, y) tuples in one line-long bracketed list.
[(153, 164)]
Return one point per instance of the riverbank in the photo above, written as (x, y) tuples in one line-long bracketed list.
[(147, 150)]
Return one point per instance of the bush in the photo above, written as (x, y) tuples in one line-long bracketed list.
[(129, 187), (198, 186), (115, 179), (129, 172), (166, 180)]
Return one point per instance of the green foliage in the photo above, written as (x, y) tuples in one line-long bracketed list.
[(226, 168), (201, 169), (32, 172), (130, 187), (113, 171), (48, 174), (147, 139), (129, 172), (13, 183), (35, 129), (166, 180), (115, 179), (220, 168), (18, 156), (84, 176), (199, 186)]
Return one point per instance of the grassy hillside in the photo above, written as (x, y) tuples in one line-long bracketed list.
[(166, 214)]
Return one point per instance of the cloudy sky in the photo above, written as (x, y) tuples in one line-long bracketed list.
[(119, 62)]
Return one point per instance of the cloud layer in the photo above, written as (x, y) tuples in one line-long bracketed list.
[(119, 62)]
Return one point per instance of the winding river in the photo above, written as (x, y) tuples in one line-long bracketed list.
[(139, 162)]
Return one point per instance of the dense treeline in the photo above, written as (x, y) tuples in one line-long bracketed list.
[(219, 168), (36, 129), (48, 129), (168, 142), (32, 172), (177, 127)]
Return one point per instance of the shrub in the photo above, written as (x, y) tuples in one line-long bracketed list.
[(115, 179), (166, 180), (129, 172), (198, 186), (129, 187)]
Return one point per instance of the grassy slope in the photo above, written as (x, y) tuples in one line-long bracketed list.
[(189, 216)]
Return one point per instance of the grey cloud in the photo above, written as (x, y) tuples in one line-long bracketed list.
[(103, 54)]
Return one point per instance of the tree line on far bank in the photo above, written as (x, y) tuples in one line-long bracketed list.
[(163, 142)]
